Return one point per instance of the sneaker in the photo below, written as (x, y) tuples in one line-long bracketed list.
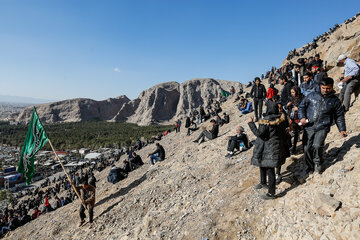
[(317, 168), (268, 196), (195, 141), (260, 186), (229, 155), (278, 179)]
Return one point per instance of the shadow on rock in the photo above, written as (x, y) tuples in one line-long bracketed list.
[(296, 173), (336, 154), (121, 192)]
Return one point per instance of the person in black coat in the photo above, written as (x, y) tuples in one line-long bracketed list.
[(187, 122), (268, 151), (286, 91), (240, 141), (226, 118), (258, 93)]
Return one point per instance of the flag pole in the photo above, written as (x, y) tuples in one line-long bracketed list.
[(71, 182)]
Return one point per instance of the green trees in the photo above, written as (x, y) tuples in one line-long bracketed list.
[(91, 134)]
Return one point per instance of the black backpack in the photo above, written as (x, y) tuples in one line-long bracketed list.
[(115, 175)]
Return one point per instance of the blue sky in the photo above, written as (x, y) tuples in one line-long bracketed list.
[(98, 49)]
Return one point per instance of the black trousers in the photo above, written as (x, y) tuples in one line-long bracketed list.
[(232, 144), (82, 213), (270, 172), (258, 104), (191, 129)]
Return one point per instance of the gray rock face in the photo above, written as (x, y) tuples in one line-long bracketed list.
[(157, 104), (197, 92), (75, 110), (162, 103)]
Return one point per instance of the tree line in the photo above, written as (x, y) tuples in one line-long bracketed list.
[(90, 134)]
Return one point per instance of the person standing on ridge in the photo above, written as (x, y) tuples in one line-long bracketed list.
[(258, 93)]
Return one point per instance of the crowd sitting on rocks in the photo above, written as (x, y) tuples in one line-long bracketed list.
[(319, 39), (34, 201)]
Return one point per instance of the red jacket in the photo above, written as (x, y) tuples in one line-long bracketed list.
[(270, 93)]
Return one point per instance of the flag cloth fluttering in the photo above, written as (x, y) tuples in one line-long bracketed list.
[(225, 93), (35, 139)]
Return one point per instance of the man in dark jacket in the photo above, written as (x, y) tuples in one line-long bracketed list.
[(317, 112), (240, 141), (258, 93), (209, 133), (157, 155), (286, 91)]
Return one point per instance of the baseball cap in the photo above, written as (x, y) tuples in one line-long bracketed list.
[(341, 57)]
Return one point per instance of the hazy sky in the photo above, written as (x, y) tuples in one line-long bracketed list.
[(99, 49)]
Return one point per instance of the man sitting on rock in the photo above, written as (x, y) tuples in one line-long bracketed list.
[(157, 155), (240, 141), (247, 109), (209, 133), (193, 127)]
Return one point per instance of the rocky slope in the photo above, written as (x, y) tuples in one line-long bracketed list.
[(75, 110), (197, 193), (163, 103)]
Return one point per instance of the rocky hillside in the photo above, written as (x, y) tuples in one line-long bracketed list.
[(197, 193), (345, 40), (162, 103), (75, 110)]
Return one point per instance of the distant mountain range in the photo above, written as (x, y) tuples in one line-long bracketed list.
[(22, 100), (160, 104)]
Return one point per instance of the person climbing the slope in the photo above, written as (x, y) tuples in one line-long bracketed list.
[(87, 192)]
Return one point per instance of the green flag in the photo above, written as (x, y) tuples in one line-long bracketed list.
[(35, 139), (224, 93)]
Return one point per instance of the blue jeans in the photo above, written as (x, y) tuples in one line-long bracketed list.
[(154, 157), (4, 229)]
